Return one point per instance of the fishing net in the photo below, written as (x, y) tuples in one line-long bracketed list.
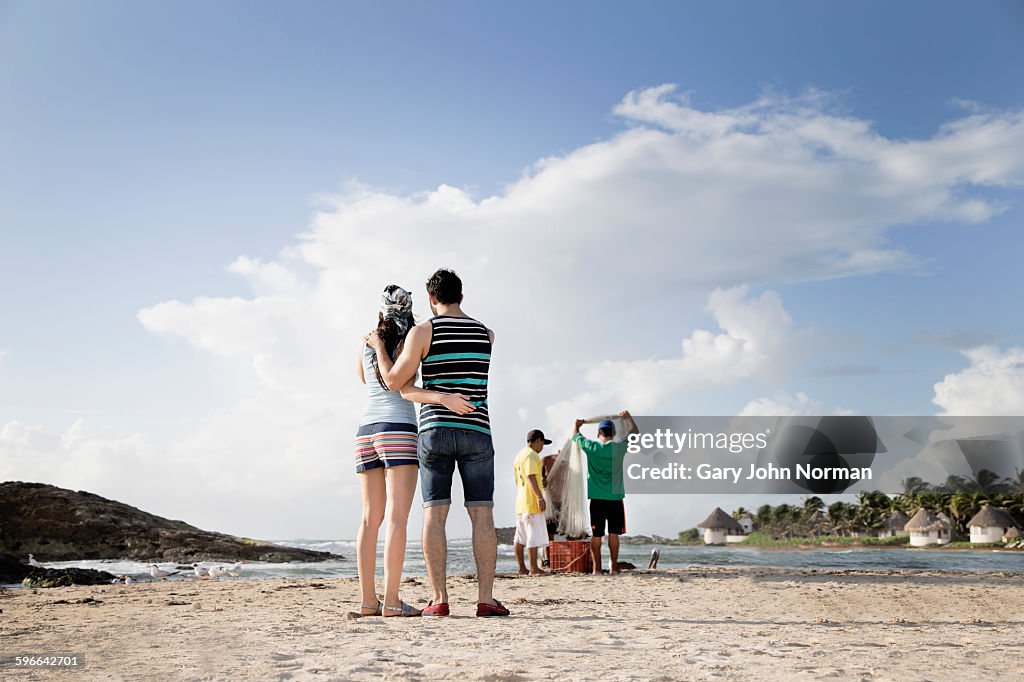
[(566, 490)]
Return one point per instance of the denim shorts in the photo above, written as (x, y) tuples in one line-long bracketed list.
[(442, 448)]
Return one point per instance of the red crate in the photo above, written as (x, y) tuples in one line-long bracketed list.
[(570, 556)]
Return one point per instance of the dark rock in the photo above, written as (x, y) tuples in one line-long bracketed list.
[(56, 524), (636, 540), (506, 536), (64, 577), (12, 570)]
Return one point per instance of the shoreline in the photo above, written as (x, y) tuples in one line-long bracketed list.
[(928, 548), (750, 571)]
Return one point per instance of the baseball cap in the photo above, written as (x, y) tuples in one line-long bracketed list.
[(606, 424), (537, 434)]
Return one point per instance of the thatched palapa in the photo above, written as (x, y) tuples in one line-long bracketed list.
[(897, 521), (992, 517), (719, 519), (924, 521)]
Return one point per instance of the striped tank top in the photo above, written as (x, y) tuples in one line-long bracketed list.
[(457, 362)]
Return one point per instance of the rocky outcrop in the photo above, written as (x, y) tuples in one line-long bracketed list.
[(64, 577), (647, 540), (12, 570), (505, 535), (56, 524)]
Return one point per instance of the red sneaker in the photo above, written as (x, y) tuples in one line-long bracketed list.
[(433, 610), (484, 610)]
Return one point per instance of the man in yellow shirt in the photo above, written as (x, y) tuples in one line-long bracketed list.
[(531, 530)]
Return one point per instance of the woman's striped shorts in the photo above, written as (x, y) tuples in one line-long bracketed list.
[(385, 444)]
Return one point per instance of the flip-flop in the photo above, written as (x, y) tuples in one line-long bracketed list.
[(376, 608), (404, 610), (435, 610), (485, 610)]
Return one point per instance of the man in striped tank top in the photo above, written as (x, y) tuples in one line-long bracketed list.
[(454, 351)]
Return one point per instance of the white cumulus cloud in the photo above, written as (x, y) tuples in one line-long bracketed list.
[(784, 404), (992, 385)]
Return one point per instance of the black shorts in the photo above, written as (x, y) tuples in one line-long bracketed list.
[(610, 512)]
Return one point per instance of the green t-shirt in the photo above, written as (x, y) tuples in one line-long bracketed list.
[(604, 467)]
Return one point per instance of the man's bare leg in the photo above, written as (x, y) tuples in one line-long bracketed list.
[(534, 568), (519, 559), (485, 551), (613, 547), (435, 550), (595, 554)]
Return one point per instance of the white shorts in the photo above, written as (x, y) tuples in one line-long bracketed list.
[(531, 530)]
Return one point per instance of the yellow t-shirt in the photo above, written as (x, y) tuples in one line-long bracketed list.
[(527, 463)]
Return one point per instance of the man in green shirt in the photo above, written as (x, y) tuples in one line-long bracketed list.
[(604, 485)]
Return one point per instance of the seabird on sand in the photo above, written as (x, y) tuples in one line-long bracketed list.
[(217, 571), (33, 563), (157, 572), (235, 570), (200, 571)]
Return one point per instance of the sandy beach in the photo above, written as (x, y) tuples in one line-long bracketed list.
[(695, 623)]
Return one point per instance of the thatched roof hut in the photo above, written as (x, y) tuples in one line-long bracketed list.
[(718, 519), (894, 526), (897, 521), (924, 521), (926, 528), (720, 528), (992, 517)]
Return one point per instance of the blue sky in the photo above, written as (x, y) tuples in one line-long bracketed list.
[(144, 147)]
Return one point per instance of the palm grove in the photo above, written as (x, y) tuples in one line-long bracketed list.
[(959, 497)]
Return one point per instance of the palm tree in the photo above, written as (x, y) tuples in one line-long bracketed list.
[(987, 481), (782, 517), (934, 501), (907, 504), (1015, 483), (868, 518), (961, 508), (839, 514), (813, 504), (913, 486), (957, 484)]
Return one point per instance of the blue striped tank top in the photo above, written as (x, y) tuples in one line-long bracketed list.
[(457, 362)]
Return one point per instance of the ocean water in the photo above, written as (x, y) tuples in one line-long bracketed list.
[(460, 560)]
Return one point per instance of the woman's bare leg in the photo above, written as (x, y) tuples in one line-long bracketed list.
[(374, 497), (401, 488)]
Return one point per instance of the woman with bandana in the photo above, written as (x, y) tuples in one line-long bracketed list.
[(386, 456)]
